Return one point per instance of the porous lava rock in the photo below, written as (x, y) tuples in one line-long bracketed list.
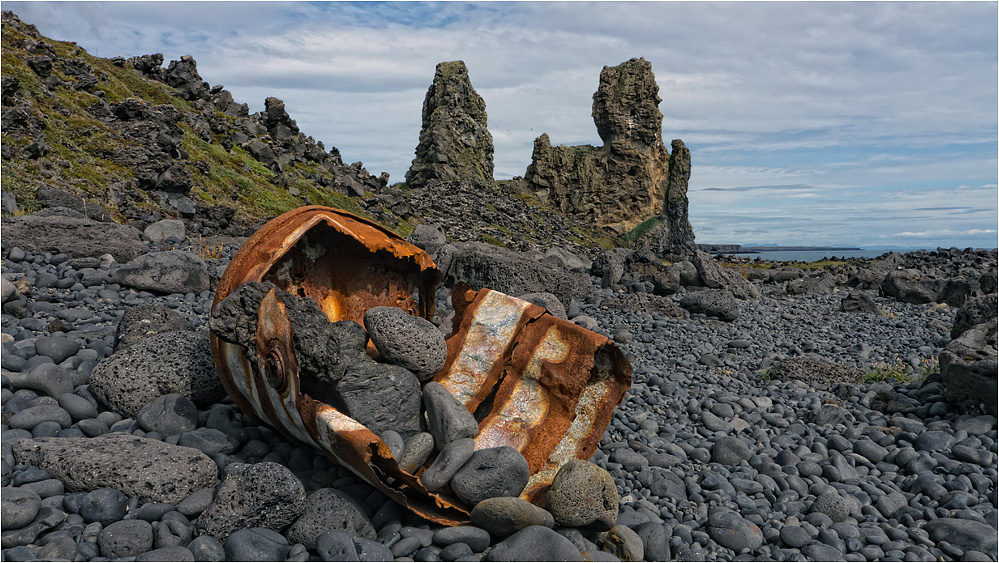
[(140, 322), (583, 494), (405, 340), (968, 367), (455, 144), (76, 238), (265, 495), (330, 509), (123, 462), (171, 362), (171, 271), (379, 396)]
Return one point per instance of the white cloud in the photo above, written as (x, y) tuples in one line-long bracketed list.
[(874, 112)]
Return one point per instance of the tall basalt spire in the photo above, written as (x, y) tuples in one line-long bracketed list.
[(455, 144)]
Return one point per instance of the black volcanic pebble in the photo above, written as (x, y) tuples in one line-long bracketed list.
[(104, 505), (207, 548), (58, 348), (534, 543), (125, 538), (493, 472)]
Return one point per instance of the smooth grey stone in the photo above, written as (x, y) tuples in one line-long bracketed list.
[(426, 535), (329, 509), (46, 488), (624, 543), (630, 459), (104, 505), (173, 532), (729, 450), (48, 378), (207, 548), (447, 419), (125, 538), (151, 512), (59, 348), (822, 552), (61, 548), (655, 538), (534, 543), (208, 440), (415, 452), (969, 535), (454, 551), (394, 442), (489, 473), (171, 553), (336, 545), (405, 547), (29, 475), (406, 340), (795, 537), (933, 440), (19, 507), (475, 537), (733, 531), (78, 407), (260, 495), (873, 452), (504, 516), (169, 414), (371, 550), (447, 464), (256, 544)]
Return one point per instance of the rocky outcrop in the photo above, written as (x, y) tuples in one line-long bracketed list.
[(454, 142), (672, 238), (622, 183)]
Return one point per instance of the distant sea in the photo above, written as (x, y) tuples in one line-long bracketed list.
[(816, 255)]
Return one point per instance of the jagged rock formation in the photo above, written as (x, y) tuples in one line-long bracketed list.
[(454, 142), (145, 142), (622, 183), (672, 238)]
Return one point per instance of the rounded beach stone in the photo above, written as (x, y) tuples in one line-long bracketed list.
[(583, 494), (330, 509), (336, 545), (503, 516), (405, 340), (256, 544), (729, 450), (832, 505), (171, 553), (490, 473), (534, 543), (125, 538), (207, 548), (733, 531), (56, 347), (624, 543), (416, 451), (473, 536), (18, 507), (655, 538), (447, 419), (263, 494), (170, 414), (104, 505), (448, 462)]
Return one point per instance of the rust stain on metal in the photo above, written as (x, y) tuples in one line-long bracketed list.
[(535, 382)]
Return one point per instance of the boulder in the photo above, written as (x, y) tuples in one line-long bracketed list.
[(733, 531), (171, 271), (716, 277), (911, 287), (330, 509), (858, 301), (171, 362), (969, 535), (454, 142), (622, 183), (140, 322), (379, 396), (824, 282), (583, 495), (406, 340), (712, 302), (975, 310), (183, 75), (54, 197), (123, 462), (160, 231), (258, 495), (968, 367), (504, 516), (483, 265), (77, 238), (672, 238)]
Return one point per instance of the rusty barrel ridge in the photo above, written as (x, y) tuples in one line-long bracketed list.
[(537, 383)]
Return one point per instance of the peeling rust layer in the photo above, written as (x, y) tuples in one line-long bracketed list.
[(537, 383)]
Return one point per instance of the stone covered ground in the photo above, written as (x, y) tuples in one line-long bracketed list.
[(755, 439)]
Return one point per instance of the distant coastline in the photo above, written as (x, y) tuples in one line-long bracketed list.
[(739, 249)]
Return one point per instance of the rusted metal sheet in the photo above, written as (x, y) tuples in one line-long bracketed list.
[(535, 382)]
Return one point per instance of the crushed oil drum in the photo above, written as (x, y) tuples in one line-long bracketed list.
[(537, 383)]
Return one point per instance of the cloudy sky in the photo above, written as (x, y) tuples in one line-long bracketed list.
[(862, 124)]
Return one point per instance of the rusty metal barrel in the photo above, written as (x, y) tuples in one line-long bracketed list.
[(535, 382)]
